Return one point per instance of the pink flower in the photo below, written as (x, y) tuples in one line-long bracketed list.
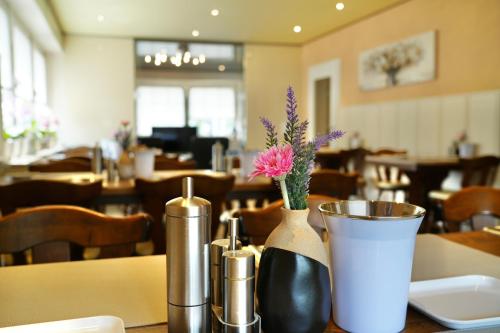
[(274, 162)]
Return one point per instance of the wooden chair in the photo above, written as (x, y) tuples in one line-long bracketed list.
[(257, 224), (81, 151), (386, 180), (70, 164), (353, 160), (154, 195), (478, 171), (330, 159), (32, 193), (164, 163), (333, 183), (49, 231), (463, 205)]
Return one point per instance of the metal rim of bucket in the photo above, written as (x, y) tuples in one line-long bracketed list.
[(413, 210)]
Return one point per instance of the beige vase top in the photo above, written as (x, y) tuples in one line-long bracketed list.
[(296, 235)]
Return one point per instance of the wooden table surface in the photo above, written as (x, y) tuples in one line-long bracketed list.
[(127, 187), (415, 321)]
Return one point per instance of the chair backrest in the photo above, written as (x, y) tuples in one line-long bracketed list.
[(164, 163), (479, 171), (468, 202), (32, 193), (70, 164), (333, 183), (81, 151), (330, 159), (353, 160), (383, 173), (50, 230), (257, 224), (154, 195)]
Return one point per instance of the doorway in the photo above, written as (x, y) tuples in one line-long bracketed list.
[(322, 105), (323, 97)]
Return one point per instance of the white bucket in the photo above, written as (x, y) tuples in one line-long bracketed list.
[(371, 256), (144, 163), (466, 150)]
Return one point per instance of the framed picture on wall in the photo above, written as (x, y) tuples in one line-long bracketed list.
[(407, 61)]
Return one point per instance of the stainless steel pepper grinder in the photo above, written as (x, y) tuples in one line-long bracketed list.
[(238, 309), (217, 248), (188, 262)]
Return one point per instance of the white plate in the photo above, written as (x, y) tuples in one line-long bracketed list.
[(459, 302), (100, 324)]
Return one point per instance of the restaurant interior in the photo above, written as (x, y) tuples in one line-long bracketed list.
[(236, 166)]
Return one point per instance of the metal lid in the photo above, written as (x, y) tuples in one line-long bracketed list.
[(218, 247), (188, 205), (238, 264), (372, 210)]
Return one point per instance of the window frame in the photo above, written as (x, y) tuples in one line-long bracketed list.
[(235, 83)]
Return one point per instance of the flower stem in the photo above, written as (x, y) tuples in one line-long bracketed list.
[(284, 192)]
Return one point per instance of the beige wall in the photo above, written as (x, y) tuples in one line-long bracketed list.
[(468, 48), (268, 72), (91, 87)]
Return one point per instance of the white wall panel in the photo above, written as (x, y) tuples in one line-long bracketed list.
[(372, 135), (453, 121), (407, 126), (388, 125), (484, 121), (428, 127)]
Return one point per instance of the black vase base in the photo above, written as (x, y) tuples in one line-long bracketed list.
[(293, 293)]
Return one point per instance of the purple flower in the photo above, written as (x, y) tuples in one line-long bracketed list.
[(321, 140), (298, 142), (271, 134), (291, 105)]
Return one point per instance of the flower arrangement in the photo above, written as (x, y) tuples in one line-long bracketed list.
[(124, 135), (291, 162)]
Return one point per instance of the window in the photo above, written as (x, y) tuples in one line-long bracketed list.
[(212, 110), (5, 56), (22, 64), (23, 81), (159, 107), (39, 77)]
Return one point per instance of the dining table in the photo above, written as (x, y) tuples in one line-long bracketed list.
[(122, 191), (425, 173), (134, 288)]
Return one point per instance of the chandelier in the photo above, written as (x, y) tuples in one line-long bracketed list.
[(177, 59)]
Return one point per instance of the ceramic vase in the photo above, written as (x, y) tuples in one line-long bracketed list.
[(125, 166), (293, 285), (371, 253)]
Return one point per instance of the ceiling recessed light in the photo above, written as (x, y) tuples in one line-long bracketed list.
[(157, 62), (147, 59), (100, 18), (339, 5), (202, 58), (297, 28), (195, 33), (214, 12), (222, 68), (196, 61)]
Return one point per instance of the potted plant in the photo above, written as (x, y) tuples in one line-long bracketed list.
[(293, 287)]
